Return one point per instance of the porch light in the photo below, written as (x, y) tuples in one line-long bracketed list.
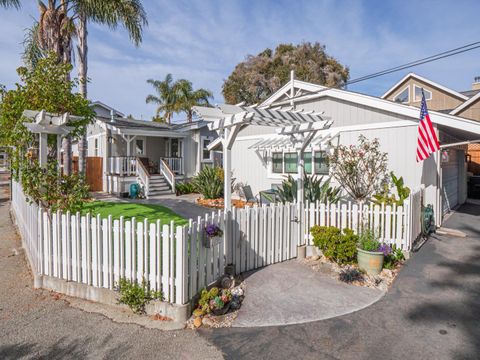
[(111, 140)]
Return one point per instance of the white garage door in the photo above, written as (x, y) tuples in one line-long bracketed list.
[(450, 179)]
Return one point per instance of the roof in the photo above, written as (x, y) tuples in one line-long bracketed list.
[(425, 80), (109, 108), (470, 93), (135, 124), (440, 118), (466, 104)]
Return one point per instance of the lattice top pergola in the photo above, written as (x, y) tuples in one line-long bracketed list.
[(295, 125)]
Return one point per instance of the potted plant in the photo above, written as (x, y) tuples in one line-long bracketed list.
[(214, 301), (369, 253), (213, 235)]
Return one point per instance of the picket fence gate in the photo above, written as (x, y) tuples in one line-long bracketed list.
[(175, 259)]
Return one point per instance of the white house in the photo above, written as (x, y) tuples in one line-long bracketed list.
[(122, 151), (262, 160)]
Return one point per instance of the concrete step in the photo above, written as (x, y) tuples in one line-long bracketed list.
[(159, 192)]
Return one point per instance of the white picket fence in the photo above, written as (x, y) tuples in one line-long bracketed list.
[(174, 259)]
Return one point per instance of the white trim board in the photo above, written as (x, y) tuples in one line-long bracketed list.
[(284, 90), (429, 82), (465, 104)]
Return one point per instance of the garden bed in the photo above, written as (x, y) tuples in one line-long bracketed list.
[(351, 274), (219, 203)]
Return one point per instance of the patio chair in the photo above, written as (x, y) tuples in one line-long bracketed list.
[(247, 194)]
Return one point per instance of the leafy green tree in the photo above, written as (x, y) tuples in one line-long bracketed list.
[(257, 77), (176, 97), (47, 87)]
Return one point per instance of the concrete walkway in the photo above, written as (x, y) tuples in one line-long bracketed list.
[(292, 293), (431, 312), (37, 324)]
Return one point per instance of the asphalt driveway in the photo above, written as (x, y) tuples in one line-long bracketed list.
[(432, 312)]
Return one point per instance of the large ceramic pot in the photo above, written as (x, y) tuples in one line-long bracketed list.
[(370, 261)]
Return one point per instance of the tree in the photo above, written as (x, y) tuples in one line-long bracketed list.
[(256, 78), (360, 169), (10, 3), (176, 97), (188, 98), (47, 87)]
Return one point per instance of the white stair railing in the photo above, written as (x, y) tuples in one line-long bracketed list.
[(175, 164), (167, 173), (144, 176), (122, 165)]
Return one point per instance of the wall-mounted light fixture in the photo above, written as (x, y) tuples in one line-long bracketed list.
[(111, 140)]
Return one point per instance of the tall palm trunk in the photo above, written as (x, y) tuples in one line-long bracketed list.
[(82, 49)]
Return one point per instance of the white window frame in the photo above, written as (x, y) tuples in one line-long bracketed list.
[(202, 148), (281, 176), (415, 86), (144, 140), (399, 92), (95, 147)]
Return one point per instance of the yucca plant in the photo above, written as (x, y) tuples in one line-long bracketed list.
[(315, 189), (208, 183)]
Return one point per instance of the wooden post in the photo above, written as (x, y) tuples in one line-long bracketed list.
[(43, 149), (227, 171)]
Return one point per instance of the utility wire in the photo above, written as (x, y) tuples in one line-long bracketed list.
[(428, 59)]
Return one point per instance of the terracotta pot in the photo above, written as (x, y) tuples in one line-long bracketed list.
[(370, 261)]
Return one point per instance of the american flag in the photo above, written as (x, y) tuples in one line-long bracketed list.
[(427, 142)]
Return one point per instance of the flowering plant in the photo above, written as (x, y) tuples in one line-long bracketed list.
[(213, 230), (385, 248)]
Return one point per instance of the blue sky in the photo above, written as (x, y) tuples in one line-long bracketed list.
[(203, 41)]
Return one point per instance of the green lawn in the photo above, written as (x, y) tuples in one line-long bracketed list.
[(129, 210)]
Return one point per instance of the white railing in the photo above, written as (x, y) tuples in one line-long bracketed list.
[(143, 176), (175, 259), (167, 173), (175, 164), (122, 165)]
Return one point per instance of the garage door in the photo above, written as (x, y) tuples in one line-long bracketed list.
[(450, 178)]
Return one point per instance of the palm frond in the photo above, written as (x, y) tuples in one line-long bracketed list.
[(32, 51), (11, 4)]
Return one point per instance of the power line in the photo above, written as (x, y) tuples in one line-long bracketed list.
[(418, 62)]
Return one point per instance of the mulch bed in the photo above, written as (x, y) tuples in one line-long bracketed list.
[(219, 204)]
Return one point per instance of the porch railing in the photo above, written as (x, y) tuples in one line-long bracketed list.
[(143, 175), (122, 165), (167, 173), (175, 164)]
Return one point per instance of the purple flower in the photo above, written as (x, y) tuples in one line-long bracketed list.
[(385, 248), (213, 230)]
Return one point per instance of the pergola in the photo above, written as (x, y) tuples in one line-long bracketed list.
[(294, 126), (44, 124)]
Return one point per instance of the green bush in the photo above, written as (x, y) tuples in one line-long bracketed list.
[(209, 182), (392, 259), (368, 240), (136, 295), (335, 245), (185, 188)]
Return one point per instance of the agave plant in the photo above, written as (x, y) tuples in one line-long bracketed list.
[(208, 183), (315, 189)]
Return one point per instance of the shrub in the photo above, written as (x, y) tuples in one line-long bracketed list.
[(368, 240), (315, 189), (135, 295), (184, 188), (335, 245), (209, 182), (214, 299), (391, 260)]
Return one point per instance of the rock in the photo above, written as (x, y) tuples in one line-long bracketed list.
[(226, 282), (314, 257), (197, 322), (235, 304), (237, 291), (207, 321)]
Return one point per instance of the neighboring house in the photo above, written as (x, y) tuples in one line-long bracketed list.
[(3, 159), (122, 151), (260, 159), (465, 104)]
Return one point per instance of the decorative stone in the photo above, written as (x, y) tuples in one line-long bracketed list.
[(207, 321), (226, 282), (197, 322), (237, 291)]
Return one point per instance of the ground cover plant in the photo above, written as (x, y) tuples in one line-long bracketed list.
[(141, 212), (136, 296)]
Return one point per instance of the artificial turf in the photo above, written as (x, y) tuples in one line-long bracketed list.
[(129, 210)]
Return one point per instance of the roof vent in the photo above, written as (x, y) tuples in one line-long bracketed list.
[(112, 116)]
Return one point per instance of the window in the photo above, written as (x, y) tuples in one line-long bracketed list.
[(403, 96), (418, 93), (95, 148), (290, 162), (307, 160), (277, 163), (321, 163), (139, 147), (206, 154)]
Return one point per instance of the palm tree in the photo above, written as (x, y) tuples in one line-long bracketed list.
[(166, 98), (188, 98), (10, 3)]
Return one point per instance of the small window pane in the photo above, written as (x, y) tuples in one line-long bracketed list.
[(402, 97), (277, 163), (139, 148), (290, 163), (307, 159), (321, 163), (206, 152), (418, 94)]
